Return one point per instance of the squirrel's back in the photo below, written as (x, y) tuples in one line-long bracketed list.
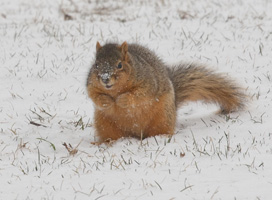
[(149, 67)]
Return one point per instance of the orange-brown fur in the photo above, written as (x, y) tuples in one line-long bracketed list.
[(193, 83), (137, 95)]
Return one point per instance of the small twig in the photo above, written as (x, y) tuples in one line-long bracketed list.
[(70, 149), (51, 144), (158, 185), (187, 187), (36, 124)]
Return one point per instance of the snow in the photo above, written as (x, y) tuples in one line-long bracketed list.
[(47, 48)]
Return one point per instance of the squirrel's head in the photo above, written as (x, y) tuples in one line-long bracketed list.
[(111, 68)]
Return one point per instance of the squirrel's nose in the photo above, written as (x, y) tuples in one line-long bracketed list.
[(105, 80), (105, 77)]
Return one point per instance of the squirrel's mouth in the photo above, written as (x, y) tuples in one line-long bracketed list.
[(108, 86)]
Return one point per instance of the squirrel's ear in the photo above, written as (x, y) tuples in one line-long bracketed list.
[(98, 46), (124, 50)]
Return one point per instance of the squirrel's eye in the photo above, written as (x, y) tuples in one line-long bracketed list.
[(119, 66)]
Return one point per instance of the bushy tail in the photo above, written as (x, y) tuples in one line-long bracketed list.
[(193, 83)]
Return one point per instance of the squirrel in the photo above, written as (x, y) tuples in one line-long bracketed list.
[(136, 95)]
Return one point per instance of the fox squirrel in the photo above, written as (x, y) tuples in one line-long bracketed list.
[(137, 95)]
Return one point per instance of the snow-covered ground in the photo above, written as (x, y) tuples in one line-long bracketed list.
[(46, 50)]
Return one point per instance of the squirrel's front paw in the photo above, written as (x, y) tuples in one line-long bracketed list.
[(104, 101), (124, 100)]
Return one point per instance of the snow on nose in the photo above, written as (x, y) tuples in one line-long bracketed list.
[(105, 77)]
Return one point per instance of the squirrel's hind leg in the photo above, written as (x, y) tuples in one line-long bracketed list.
[(164, 117)]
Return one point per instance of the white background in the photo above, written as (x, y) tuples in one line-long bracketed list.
[(44, 63)]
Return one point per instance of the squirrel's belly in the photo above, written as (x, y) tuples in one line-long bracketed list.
[(133, 118)]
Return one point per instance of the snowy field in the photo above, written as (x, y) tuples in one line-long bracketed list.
[(46, 131)]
